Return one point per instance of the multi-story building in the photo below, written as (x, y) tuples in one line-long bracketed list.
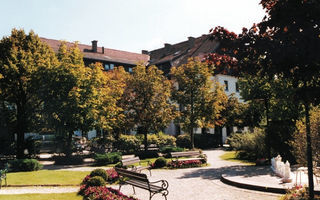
[(177, 54), (109, 58)]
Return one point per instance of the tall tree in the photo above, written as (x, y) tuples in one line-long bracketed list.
[(286, 44), (197, 95), (71, 104), (111, 86), (147, 100), (23, 59)]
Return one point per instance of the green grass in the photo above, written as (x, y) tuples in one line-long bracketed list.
[(232, 156), (46, 177), (52, 196)]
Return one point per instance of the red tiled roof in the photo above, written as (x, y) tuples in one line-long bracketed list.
[(111, 55), (179, 53)]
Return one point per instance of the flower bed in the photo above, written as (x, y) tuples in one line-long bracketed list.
[(102, 193), (298, 193), (184, 164)]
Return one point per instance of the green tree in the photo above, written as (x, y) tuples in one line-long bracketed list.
[(111, 86), (147, 100), (285, 44), (23, 60), (72, 102), (199, 97)]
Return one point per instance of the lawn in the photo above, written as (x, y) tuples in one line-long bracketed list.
[(52, 196), (232, 156), (46, 177)]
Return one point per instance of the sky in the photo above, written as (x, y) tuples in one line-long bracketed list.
[(130, 25)]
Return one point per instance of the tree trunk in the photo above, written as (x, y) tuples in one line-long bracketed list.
[(145, 133), (267, 138), (69, 144), (21, 122), (192, 137), (309, 152)]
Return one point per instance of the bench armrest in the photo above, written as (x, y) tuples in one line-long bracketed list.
[(164, 184)]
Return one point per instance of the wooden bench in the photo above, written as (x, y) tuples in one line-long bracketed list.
[(3, 176), (192, 155), (141, 181), (129, 162)]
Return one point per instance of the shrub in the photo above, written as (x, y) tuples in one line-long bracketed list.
[(183, 141), (101, 144), (24, 165), (147, 154), (299, 144), (68, 160), (249, 145), (205, 141), (165, 140), (108, 158), (128, 143), (160, 162), (99, 172), (95, 181), (169, 149)]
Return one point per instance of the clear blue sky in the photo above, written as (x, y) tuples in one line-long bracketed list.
[(130, 25)]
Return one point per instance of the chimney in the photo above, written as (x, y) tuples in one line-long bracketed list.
[(191, 41), (145, 52), (94, 46), (167, 47), (102, 50)]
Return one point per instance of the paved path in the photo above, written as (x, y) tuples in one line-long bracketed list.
[(184, 184)]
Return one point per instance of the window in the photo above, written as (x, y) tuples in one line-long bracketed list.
[(109, 66), (130, 69), (226, 86), (237, 87)]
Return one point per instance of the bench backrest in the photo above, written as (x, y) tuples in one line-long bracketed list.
[(130, 161), (185, 154), (132, 175)]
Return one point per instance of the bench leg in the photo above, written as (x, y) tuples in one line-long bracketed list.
[(134, 191)]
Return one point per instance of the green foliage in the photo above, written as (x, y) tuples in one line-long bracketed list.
[(298, 143), (96, 181), (147, 100), (20, 165), (100, 144), (25, 63), (205, 141), (168, 149), (147, 154), (108, 158), (160, 139), (249, 145), (160, 162), (128, 144), (184, 141), (201, 99), (68, 160), (99, 172)]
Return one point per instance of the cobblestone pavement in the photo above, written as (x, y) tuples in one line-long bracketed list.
[(184, 184)]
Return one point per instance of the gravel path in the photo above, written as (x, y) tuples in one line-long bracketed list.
[(184, 184)]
